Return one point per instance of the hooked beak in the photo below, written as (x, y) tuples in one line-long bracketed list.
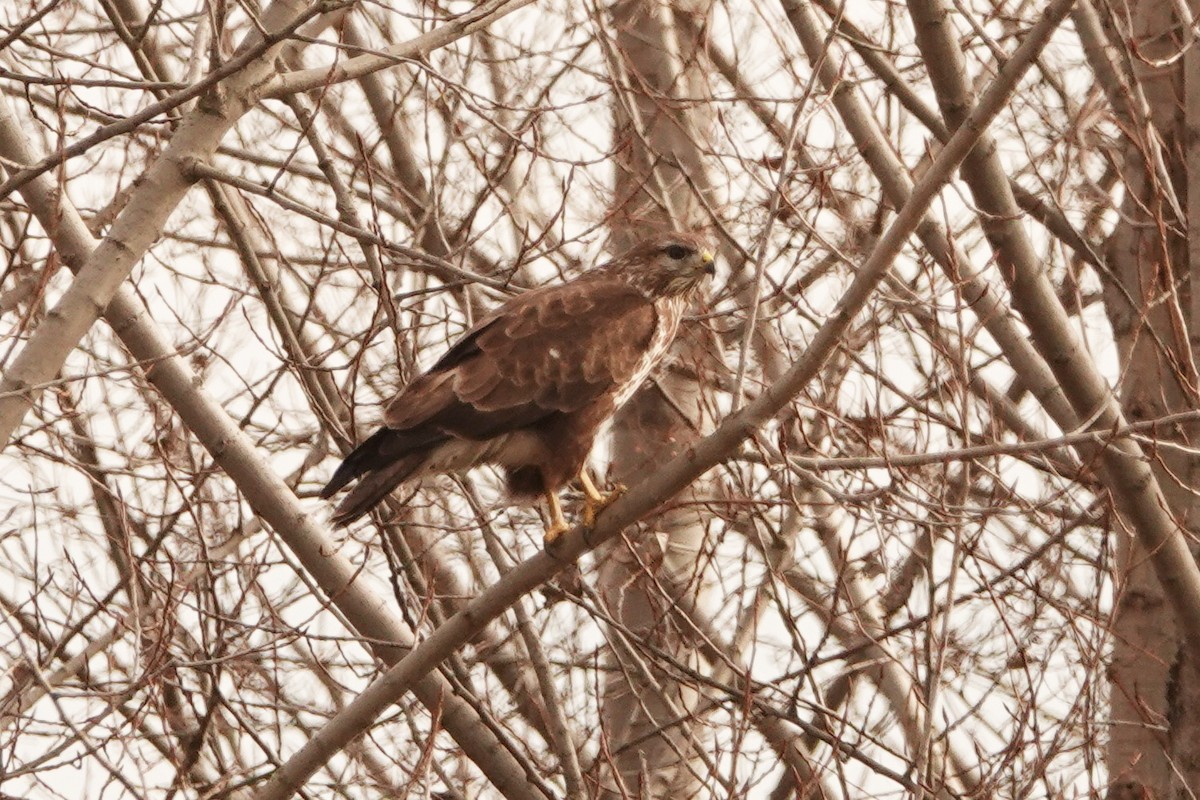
[(710, 267)]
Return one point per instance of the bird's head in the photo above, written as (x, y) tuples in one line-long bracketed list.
[(669, 265)]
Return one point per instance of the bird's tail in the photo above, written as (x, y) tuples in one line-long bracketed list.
[(381, 463), (375, 486)]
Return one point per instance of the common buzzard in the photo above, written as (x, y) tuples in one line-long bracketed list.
[(528, 387)]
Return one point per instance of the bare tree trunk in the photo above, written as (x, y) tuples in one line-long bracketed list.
[(649, 735), (1151, 305)]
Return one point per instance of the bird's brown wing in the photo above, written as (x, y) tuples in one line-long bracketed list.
[(551, 350)]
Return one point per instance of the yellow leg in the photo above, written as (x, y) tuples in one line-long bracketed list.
[(594, 501), (589, 489), (558, 523)]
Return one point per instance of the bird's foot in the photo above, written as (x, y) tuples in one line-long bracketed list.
[(557, 525), (593, 504), (555, 529)]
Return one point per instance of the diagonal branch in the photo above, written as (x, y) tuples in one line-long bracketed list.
[(474, 20), (250, 53), (381, 630), (136, 228), (677, 474), (161, 189), (1127, 471)]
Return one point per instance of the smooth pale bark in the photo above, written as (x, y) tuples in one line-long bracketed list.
[(253, 246), (659, 168), (140, 223), (1160, 377), (1145, 641), (165, 183), (1152, 303), (384, 632), (827, 59)]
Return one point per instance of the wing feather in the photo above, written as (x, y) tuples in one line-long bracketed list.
[(549, 351)]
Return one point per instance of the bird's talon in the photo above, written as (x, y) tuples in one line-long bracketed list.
[(593, 506), (555, 530)]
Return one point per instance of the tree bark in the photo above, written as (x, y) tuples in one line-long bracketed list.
[(1154, 746), (645, 712)]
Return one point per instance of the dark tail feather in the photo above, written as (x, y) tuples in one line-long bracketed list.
[(382, 462), (375, 486), (364, 458)]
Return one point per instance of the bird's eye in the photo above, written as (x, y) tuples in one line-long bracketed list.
[(678, 251)]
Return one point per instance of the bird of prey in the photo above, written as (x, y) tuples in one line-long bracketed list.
[(529, 385)]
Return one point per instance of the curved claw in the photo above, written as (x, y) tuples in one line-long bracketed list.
[(554, 530), (595, 501)]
